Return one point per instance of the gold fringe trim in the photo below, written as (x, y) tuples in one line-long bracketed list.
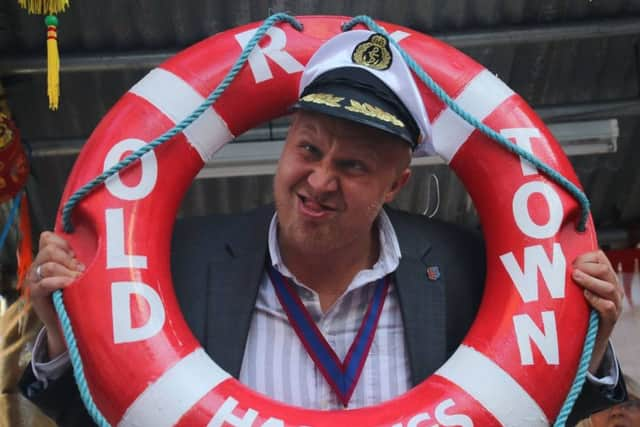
[(44, 7)]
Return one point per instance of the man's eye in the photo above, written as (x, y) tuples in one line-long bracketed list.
[(354, 165), (311, 149)]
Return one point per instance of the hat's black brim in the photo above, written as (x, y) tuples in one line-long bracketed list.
[(342, 113)]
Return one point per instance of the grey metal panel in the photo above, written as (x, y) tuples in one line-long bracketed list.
[(131, 25), (612, 181), (627, 190)]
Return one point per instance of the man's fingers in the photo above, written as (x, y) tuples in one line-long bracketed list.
[(52, 276), (48, 285), (54, 269), (598, 270), (596, 257), (608, 310), (604, 296), (594, 273), (600, 287), (56, 254), (606, 279), (48, 238)]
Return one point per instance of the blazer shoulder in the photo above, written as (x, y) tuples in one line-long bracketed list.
[(417, 233), (212, 233)]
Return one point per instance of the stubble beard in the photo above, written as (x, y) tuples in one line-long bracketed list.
[(320, 238), (305, 236)]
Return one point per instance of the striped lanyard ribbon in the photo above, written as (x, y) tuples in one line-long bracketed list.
[(341, 376)]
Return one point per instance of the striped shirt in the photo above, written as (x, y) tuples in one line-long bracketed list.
[(276, 362)]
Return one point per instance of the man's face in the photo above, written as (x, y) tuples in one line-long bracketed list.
[(332, 179), (625, 414)]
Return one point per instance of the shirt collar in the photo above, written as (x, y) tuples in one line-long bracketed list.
[(388, 259)]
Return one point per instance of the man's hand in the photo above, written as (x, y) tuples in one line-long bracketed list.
[(55, 267), (594, 273)]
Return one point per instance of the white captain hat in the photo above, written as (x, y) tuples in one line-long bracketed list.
[(360, 76)]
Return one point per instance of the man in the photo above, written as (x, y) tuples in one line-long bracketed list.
[(332, 249), (626, 414)]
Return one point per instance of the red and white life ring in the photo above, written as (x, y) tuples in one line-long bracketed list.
[(530, 327)]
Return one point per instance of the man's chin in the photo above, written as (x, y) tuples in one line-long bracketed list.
[(315, 240)]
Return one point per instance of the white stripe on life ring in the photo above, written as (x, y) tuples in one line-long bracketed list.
[(165, 401), (479, 98), (494, 388), (176, 99)]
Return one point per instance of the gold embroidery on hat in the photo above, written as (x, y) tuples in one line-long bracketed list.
[(323, 99), (373, 111), (373, 53)]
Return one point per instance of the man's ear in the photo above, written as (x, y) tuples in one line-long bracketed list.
[(397, 185)]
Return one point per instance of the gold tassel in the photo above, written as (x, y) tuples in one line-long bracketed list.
[(44, 7), (53, 62), (50, 8)]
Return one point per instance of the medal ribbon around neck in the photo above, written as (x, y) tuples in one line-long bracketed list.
[(341, 376)]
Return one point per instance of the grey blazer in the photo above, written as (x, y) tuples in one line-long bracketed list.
[(217, 264), (225, 264)]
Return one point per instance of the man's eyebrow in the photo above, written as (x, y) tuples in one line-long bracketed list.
[(364, 150), (309, 126)]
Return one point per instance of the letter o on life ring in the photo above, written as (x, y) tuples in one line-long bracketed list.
[(521, 211), (149, 171), (509, 350)]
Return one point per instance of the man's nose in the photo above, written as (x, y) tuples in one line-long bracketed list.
[(323, 179)]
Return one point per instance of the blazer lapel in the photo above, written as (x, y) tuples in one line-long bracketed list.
[(233, 283), (423, 304)]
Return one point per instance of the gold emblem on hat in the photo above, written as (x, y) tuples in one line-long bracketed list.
[(324, 99), (369, 110), (373, 53)]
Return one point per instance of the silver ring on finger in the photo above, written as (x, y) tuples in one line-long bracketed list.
[(38, 272)]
